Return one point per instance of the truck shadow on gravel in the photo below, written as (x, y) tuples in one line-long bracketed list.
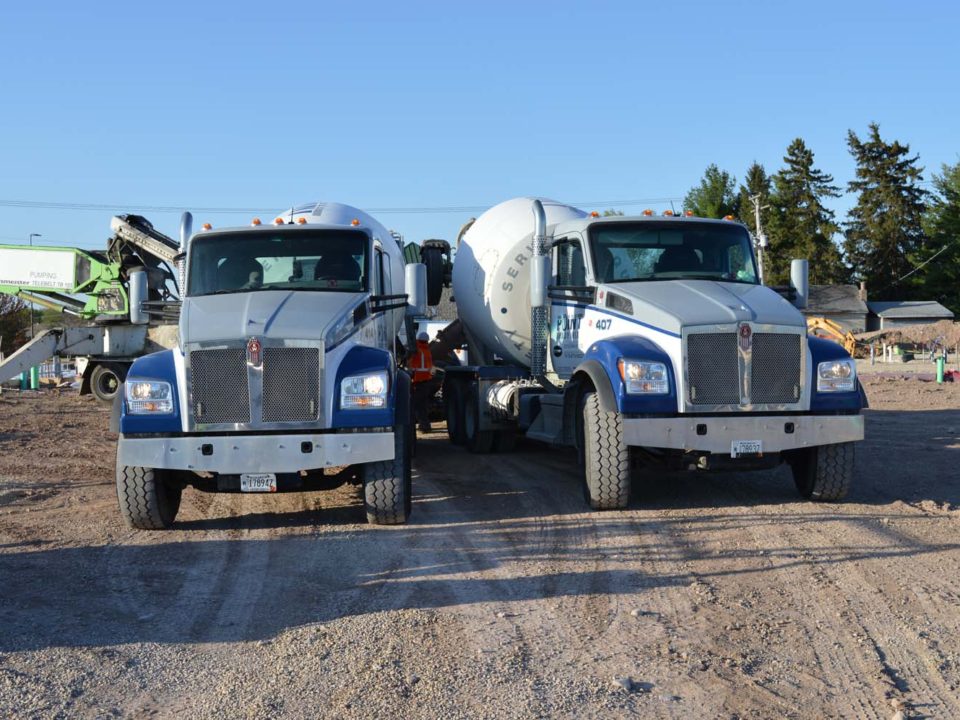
[(495, 528), (240, 590)]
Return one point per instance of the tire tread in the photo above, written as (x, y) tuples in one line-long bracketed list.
[(607, 457)]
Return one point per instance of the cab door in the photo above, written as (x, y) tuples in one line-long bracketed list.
[(569, 297), (382, 283)]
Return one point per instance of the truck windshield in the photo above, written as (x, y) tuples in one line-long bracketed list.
[(671, 250), (301, 259)]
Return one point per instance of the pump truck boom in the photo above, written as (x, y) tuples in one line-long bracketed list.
[(643, 341), (127, 294), (285, 367)]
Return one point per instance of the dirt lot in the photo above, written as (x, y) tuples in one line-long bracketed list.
[(715, 596)]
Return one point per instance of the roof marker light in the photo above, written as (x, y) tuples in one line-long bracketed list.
[(255, 222), (728, 217), (355, 222), (648, 212), (594, 214), (668, 213), (688, 213), (207, 226), (278, 221), (301, 221)]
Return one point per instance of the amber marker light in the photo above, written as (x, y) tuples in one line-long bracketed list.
[(278, 221), (207, 226), (668, 213), (301, 221), (255, 222), (728, 217), (647, 212), (355, 222), (594, 214), (688, 213)]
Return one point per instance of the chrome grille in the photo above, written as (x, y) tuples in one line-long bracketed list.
[(291, 384), (776, 367), (713, 369), (219, 386)]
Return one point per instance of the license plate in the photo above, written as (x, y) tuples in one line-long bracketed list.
[(746, 448), (258, 482)]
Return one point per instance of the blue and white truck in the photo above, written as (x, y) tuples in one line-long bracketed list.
[(285, 366), (647, 342)]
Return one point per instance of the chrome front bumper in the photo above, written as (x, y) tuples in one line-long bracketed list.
[(681, 433), (233, 454)]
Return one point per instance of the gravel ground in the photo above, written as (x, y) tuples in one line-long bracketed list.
[(714, 596)]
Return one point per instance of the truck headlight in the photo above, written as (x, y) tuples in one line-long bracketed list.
[(644, 378), (837, 376), (361, 392), (149, 397)]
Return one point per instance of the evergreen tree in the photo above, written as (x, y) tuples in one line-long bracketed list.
[(800, 225), (757, 182), (941, 272), (884, 235), (715, 196)]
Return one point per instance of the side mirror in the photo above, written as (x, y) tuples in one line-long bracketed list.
[(415, 283)]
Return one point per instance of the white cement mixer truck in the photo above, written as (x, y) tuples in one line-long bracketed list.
[(644, 342)]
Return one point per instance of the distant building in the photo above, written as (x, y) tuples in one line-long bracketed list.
[(844, 304), (899, 313)]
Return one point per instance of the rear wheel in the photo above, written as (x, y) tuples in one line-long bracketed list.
[(606, 457), (387, 484), (433, 259), (149, 499), (477, 440), (105, 381), (453, 400), (505, 440), (824, 473)]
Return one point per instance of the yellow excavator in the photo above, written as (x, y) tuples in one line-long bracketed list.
[(823, 327)]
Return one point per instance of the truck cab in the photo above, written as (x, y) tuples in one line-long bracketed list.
[(285, 367)]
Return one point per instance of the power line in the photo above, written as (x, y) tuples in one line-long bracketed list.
[(925, 262), (461, 209)]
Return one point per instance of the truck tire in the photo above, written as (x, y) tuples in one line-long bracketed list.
[(477, 440), (505, 440), (606, 457), (453, 400), (148, 500), (387, 484), (433, 258), (824, 473), (106, 379)]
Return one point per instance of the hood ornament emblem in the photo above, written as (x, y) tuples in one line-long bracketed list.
[(746, 337), (254, 352)]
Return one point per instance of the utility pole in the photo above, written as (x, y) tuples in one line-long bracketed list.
[(32, 330), (761, 238)]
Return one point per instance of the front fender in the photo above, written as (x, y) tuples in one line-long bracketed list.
[(360, 360), (156, 366), (600, 367), (822, 350)]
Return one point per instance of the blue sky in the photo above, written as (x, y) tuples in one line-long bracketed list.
[(429, 104)]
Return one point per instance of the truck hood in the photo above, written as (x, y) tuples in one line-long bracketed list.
[(674, 304), (279, 314)]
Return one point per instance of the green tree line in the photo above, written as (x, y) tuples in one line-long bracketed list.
[(900, 238)]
